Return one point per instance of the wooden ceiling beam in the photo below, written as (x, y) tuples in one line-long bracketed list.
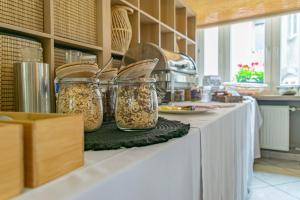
[(212, 12)]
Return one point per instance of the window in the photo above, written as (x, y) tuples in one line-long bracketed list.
[(290, 50), (211, 48), (292, 23), (247, 51), (260, 51)]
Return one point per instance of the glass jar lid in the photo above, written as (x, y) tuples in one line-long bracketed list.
[(79, 80), (109, 82), (138, 80)]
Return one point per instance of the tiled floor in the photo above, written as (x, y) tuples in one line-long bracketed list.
[(275, 180)]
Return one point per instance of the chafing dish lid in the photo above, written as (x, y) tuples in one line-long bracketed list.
[(167, 60)]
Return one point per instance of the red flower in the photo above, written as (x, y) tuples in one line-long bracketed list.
[(240, 65)]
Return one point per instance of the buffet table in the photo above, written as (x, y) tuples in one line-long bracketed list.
[(213, 162), (227, 150)]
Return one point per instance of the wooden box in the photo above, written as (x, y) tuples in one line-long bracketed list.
[(11, 160), (228, 99), (53, 145)]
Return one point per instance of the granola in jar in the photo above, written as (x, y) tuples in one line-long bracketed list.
[(136, 105), (81, 96)]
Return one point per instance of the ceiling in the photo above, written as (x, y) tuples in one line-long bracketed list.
[(211, 12)]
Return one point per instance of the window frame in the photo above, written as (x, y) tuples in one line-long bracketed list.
[(223, 52), (267, 63), (292, 26), (272, 51)]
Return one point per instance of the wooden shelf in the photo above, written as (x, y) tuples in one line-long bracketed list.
[(191, 27), (191, 50), (150, 33), (180, 35), (150, 7), (147, 18), (190, 41), (181, 20), (167, 12), (23, 31), (150, 30), (134, 4), (158, 21), (162, 22), (182, 3), (168, 41), (166, 28), (118, 53), (76, 44)]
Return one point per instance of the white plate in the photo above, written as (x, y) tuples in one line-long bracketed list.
[(210, 105), (184, 112)]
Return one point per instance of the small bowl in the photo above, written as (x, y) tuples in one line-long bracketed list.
[(289, 90)]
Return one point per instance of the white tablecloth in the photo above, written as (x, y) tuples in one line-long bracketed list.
[(163, 171), (227, 150), (168, 171)]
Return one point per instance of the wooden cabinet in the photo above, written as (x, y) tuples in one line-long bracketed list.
[(167, 23)]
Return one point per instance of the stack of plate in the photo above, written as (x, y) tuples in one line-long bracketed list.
[(140, 69), (78, 70)]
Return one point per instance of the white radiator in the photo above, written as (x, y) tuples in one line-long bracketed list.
[(276, 127)]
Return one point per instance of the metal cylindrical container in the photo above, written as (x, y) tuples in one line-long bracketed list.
[(33, 87)]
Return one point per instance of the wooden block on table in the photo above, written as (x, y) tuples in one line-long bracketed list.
[(11, 160), (53, 145)]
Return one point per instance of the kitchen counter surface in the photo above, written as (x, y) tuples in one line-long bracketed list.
[(277, 98)]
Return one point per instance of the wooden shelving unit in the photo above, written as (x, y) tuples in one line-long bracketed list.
[(167, 38), (181, 20), (167, 12), (167, 23), (149, 29), (191, 27), (151, 7), (50, 39), (157, 21)]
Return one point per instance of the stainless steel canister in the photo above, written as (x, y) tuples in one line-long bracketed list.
[(33, 87)]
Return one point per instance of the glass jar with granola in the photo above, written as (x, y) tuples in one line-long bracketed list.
[(136, 104), (81, 95)]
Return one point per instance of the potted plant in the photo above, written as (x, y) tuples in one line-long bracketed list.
[(250, 74)]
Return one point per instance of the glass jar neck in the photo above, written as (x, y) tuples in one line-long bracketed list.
[(136, 81), (78, 81)]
